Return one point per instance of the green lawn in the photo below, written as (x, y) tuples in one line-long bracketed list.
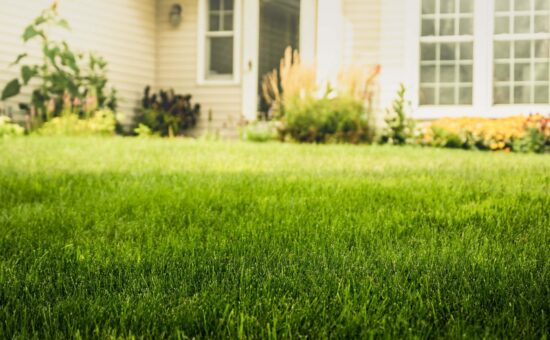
[(174, 238)]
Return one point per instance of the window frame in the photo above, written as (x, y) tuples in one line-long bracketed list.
[(482, 101), (204, 34)]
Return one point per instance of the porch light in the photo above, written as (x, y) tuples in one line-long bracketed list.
[(175, 15)]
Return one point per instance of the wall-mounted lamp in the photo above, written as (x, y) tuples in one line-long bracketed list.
[(175, 15)]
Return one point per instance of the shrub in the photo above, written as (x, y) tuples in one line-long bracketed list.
[(399, 129), (309, 113), (9, 129), (167, 113), (260, 131), (338, 119), (102, 122), (62, 73), (516, 133)]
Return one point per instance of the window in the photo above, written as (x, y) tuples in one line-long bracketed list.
[(477, 57), (218, 54), (521, 52), (446, 52)]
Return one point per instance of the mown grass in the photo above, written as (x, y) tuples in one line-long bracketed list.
[(157, 238)]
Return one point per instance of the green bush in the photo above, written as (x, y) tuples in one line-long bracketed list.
[(102, 122), (167, 113), (9, 129), (326, 120), (260, 131)]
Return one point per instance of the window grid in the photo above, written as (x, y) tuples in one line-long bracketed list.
[(509, 72), (219, 37), (454, 91)]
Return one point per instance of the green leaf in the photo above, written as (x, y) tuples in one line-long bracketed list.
[(63, 24), (12, 89), (19, 58), (40, 20), (27, 73), (30, 32)]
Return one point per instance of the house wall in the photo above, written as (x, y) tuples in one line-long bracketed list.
[(122, 31), (375, 32), (362, 26), (177, 68)]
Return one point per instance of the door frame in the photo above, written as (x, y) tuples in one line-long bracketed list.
[(251, 49)]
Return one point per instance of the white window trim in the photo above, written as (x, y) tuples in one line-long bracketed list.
[(483, 71), (201, 46)]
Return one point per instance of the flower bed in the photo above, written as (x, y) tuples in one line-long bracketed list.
[(516, 133)]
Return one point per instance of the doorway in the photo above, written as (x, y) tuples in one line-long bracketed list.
[(279, 29)]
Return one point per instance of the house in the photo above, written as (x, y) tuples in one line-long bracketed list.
[(456, 57)]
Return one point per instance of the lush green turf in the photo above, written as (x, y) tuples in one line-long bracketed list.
[(158, 238)]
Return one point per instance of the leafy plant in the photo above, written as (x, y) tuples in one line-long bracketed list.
[(309, 113), (334, 120), (167, 113), (399, 129), (8, 128), (62, 72), (102, 122), (260, 131)]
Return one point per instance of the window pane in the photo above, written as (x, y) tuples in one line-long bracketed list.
[(502, 25), (522, 72), (220, 54), (542, 72), (541, 24), (466, 26), (502, 49), (427, 74), (466, 6), (542, 49), (541, 94), (522, 24), (542, 5), (447, 27), (502, 72), (228, 22), (214, 22), (466, 51), (522, 49), (522, 95), (427, 96), (502, 95), (447, 96), (428, 6), (448, 51), (522, 5), (502, 5), (447, 6), (428, 27), (228, 5), (447, 74), (466, 96), (466, 73), (215, 5), (428, 51)]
